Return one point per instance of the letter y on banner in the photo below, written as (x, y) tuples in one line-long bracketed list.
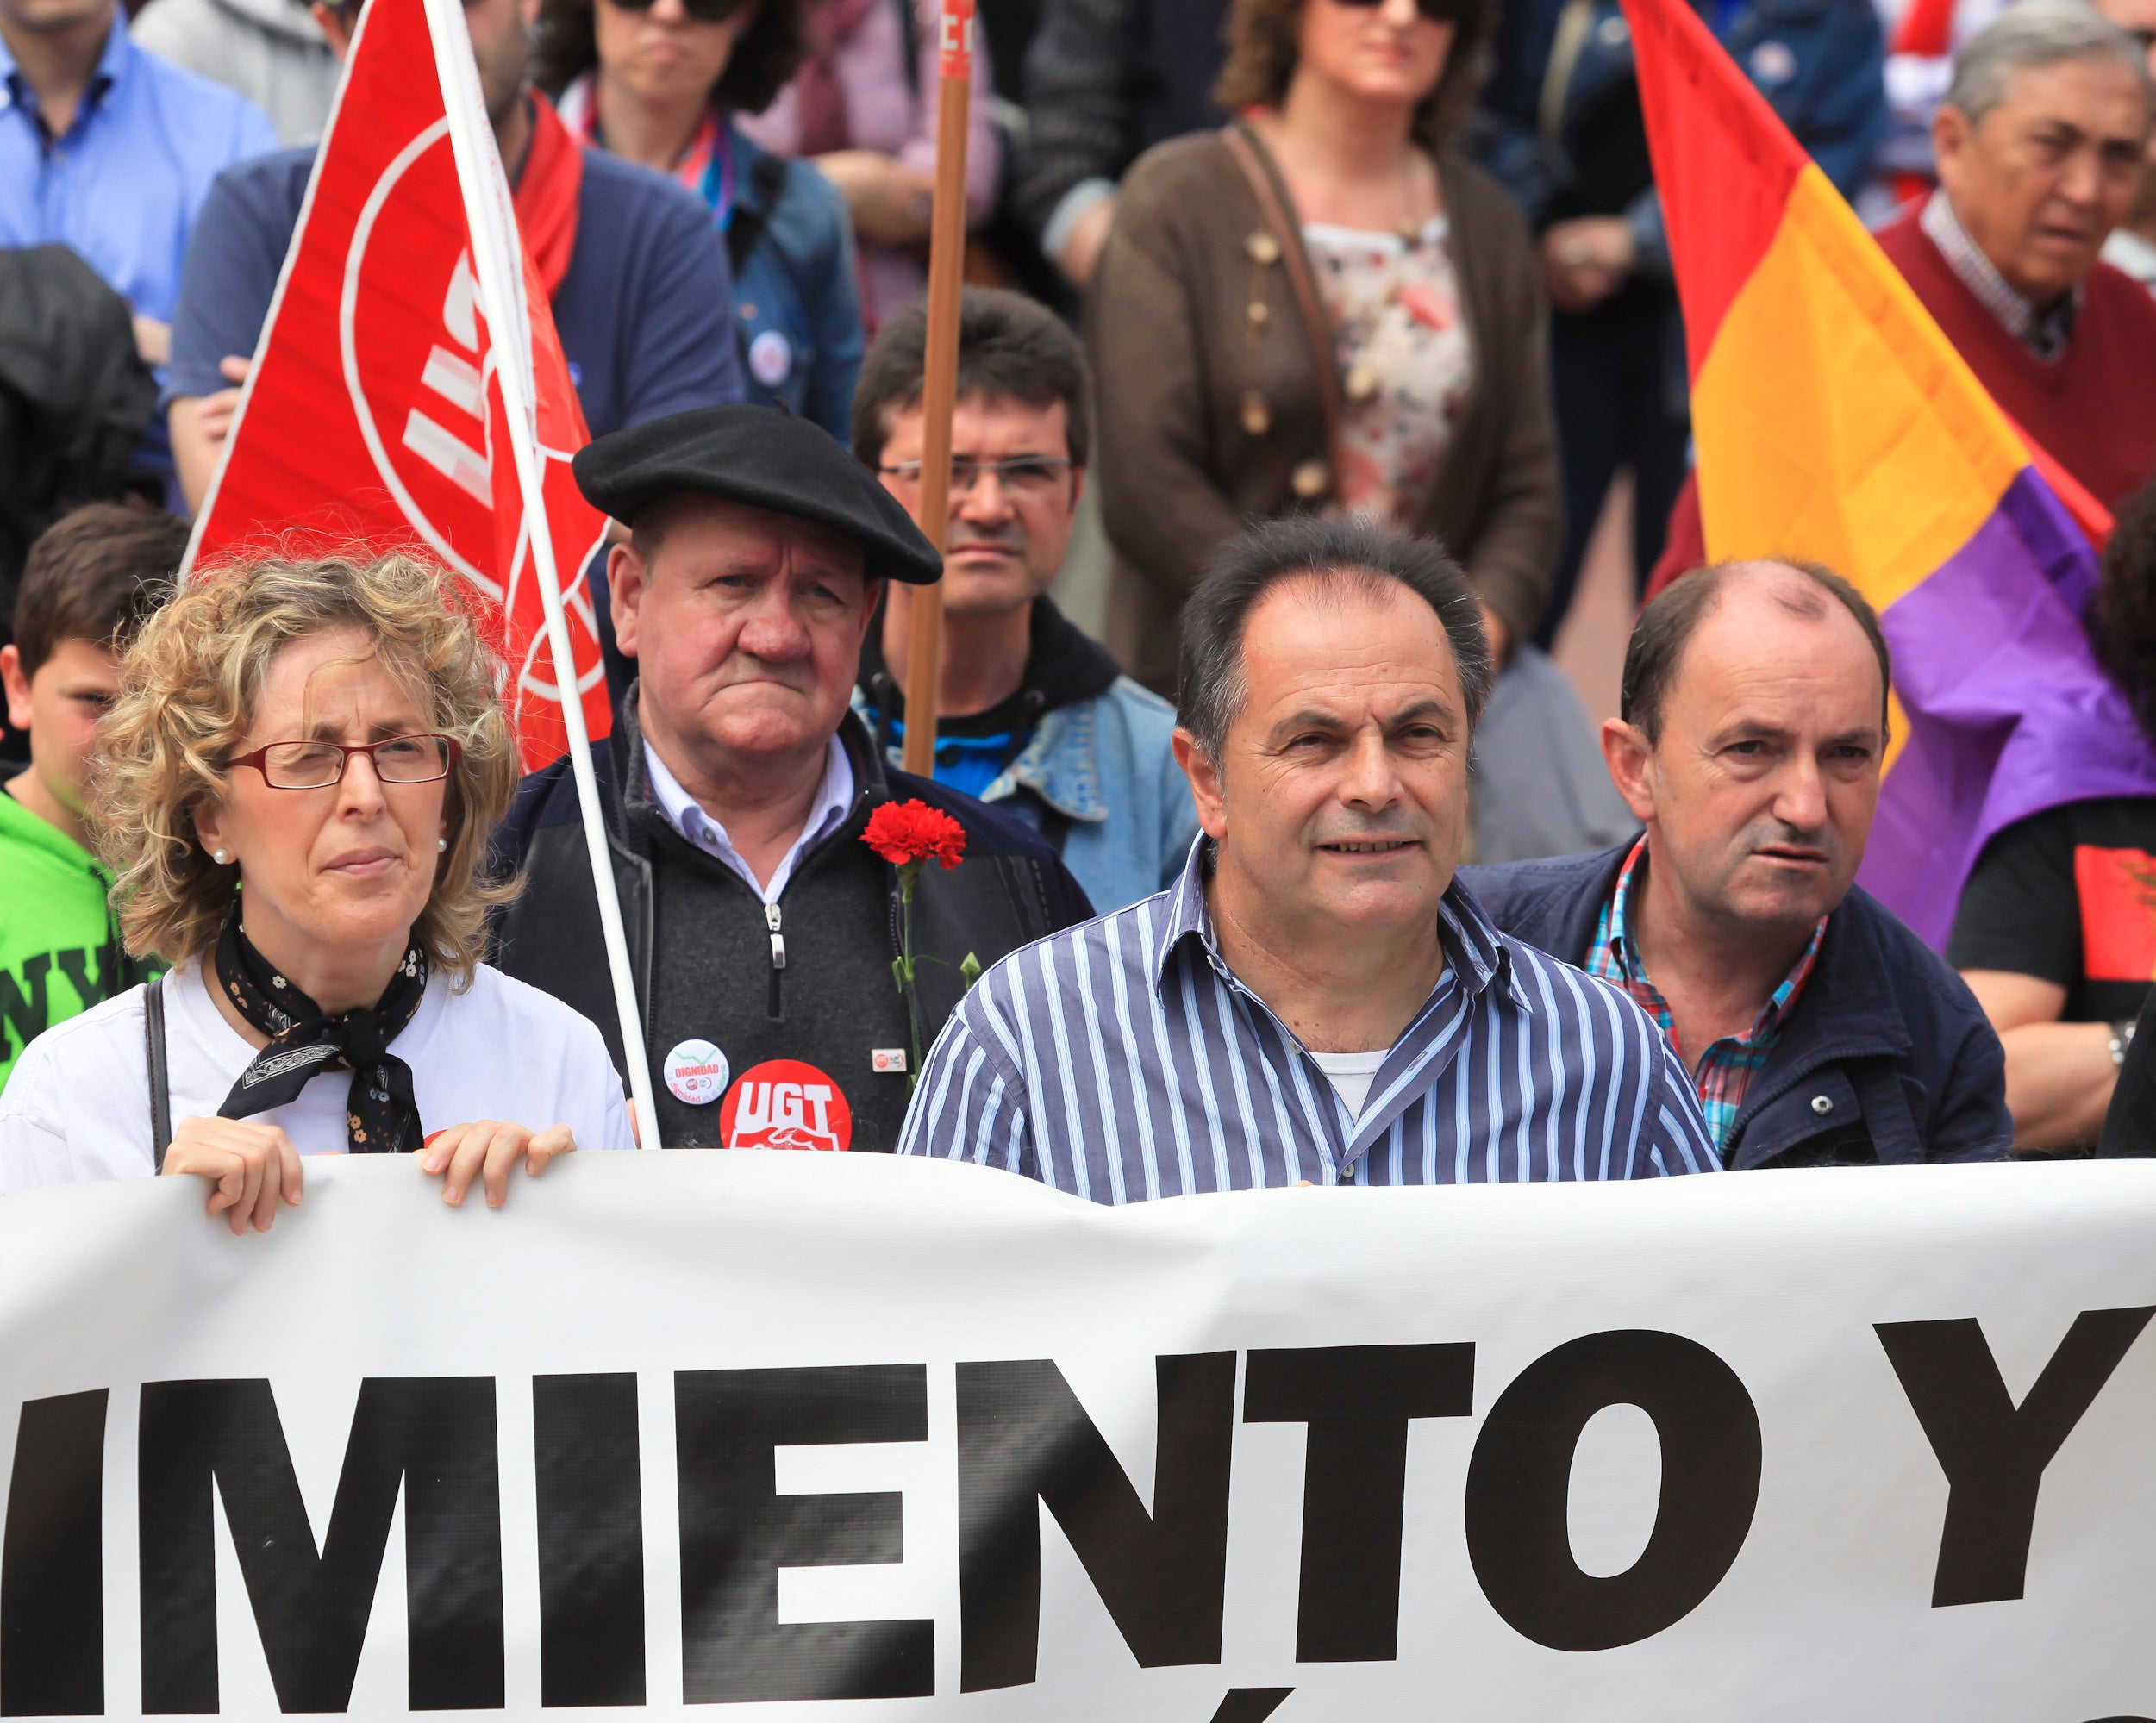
[(374, 417)]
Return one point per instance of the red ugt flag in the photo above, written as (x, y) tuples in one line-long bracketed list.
[(374, 415)]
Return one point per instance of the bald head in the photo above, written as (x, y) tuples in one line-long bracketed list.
[(1803, 591)]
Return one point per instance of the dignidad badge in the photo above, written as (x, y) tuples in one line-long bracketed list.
[(697, 1072)]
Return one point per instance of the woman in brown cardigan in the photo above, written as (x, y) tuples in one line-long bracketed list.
[(1324, 307)]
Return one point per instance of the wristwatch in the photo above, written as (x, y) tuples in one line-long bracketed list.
[(2121, 1038)]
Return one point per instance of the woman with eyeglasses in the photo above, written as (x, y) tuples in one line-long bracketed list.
[(664, 82), (294, 795), (1324, 307)]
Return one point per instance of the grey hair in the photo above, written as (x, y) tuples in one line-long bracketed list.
[(2036, 34), (1211, 687)]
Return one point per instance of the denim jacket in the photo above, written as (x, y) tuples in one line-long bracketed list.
[(1885, 1056), (1105, 766), (1098, 779), (796, 292), (1820, 64)]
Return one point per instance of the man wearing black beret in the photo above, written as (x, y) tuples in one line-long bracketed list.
[(737, 785)]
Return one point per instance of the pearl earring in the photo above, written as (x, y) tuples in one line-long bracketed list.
[(442, 842), (219, 857)]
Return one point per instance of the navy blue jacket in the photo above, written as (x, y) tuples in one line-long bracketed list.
[(1820, 64), (1886, 1057)]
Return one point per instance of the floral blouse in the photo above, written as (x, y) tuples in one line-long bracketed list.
[(1406, 360)]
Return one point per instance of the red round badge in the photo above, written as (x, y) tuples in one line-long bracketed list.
[(785, 1104)]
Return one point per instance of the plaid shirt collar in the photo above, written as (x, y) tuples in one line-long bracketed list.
[(1613, 956), (2043, 332)]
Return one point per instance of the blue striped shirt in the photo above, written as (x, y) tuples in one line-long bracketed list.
[(1122, 1060)]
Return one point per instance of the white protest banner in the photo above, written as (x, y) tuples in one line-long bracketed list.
[(837, 1435)]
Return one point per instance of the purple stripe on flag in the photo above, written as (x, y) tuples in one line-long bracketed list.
[(2007, 713)]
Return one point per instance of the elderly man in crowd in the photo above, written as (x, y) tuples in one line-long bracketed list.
[(1314, 1000), (2040, 142), (1034, 715), (1818, 1028), (737, 787)]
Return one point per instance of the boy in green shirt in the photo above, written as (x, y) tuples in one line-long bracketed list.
[(89, 581)]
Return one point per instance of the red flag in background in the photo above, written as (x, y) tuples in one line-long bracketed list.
[(374, 417)]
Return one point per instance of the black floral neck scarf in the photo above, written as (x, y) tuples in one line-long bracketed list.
[(381, 1118)]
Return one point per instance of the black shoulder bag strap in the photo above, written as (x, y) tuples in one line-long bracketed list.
[(160, 1080), (746, 226)]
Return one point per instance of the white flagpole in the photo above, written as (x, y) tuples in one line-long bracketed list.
[(498, 266)]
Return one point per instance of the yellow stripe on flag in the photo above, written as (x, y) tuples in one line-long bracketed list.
[(1834, 423)]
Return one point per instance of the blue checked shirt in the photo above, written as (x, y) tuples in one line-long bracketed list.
[(1122, 1060), (122, 185)]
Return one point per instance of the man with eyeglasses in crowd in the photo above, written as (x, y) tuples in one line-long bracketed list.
[(635, 270), (1034, 715)]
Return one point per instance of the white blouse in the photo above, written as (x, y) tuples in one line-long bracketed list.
[(77, 1106)]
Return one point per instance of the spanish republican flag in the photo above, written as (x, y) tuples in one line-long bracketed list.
[(1833, 423)]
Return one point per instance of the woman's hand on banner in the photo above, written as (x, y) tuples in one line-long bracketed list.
[(249, 1167), (487, 1150)]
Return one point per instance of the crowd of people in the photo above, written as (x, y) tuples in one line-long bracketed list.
[(1340, 318)]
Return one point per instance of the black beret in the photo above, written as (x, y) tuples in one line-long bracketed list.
[(767, 458)]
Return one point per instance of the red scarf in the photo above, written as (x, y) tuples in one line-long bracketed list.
[(547, 192)]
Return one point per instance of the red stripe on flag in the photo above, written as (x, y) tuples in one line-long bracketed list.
[(1723, 163)]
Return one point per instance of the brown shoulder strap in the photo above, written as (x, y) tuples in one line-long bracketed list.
[(1293, 257)]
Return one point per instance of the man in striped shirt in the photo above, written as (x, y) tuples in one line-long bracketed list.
[(1314, 1001)]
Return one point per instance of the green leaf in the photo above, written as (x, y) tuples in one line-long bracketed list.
[(898, 973), (970, 969)]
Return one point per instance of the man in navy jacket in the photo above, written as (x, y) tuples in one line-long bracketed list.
[(1818, 1029)]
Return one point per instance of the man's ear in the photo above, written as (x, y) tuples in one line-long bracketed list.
[(1630, 757), (1950, 135), (625, 574), (1205, 785), (18, 686), (335, 29), (871, 596)]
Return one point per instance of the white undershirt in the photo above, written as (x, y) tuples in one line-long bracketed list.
[(1351, 1075)]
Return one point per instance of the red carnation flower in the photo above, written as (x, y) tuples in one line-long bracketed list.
[(907, 834)]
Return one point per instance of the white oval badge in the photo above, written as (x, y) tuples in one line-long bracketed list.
[(697, 1072), (771, 358), (1774, 64)]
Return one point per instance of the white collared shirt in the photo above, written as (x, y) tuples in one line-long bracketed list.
[(834, 796)]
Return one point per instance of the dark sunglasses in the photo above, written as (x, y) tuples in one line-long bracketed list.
[(704, 11), (1436, 11)]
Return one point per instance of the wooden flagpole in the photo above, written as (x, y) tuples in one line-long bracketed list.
[(939, 383)]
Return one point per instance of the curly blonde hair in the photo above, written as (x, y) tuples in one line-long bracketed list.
[(188, 684), (1263, 44)]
